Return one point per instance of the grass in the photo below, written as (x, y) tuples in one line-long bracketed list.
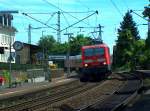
[(122, 69)]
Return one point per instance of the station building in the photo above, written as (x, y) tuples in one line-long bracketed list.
[(28, 54), (7, 37)]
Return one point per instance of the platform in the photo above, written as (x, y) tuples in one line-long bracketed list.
[(32, 87)]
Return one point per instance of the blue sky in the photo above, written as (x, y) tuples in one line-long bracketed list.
[(108, 16)]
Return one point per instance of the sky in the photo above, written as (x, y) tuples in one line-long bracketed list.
[(110, 16)]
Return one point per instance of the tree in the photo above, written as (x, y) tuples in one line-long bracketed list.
[(127, 35), (47, 43), (146, 13), (139, 53), (129, 24), (146, 60), (60, 49), (124, 48), (77, 42)]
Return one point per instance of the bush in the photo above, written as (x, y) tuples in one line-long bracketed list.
[(23, 67)]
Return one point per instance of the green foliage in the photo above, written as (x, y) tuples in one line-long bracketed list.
[(6, 76), (130, 25), (147, 41), (51, 47), (59, 49), (146, 59), (47, 43), (77, 42), (22, 67), (126, 45), (146, 11)]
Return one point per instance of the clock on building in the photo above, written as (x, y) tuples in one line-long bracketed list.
[(18, 45)]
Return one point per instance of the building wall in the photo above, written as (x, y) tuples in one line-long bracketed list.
[(22, 56), (7, 34), (5, 44), (6, 19), (27, 55)]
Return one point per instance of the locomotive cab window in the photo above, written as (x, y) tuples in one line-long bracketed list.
[(99, 51), (94, 51), (88, 52)]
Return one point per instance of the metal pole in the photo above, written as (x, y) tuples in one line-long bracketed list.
[(68, 53), (100, 32), (43, 56), (10, 57), (58, 30), (29, 34), (43, 50), (29, 42)]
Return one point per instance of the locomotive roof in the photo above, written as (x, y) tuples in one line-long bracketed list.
[(97, 45)]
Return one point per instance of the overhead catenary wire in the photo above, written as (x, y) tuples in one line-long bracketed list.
[(131, 11), (85, 7), (96, 12), (65, 19), (52, 15), (38, 21), (113, 3), (61, 10)]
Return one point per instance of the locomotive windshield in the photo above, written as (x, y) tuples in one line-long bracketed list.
[(88, 52), (94, 51), (99, 51)]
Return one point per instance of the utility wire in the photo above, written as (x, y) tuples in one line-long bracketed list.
[(137, 10), (38, 21), (79, 1), (131, 11), (113, 3), (96, 12), (50, 17), (41, 12), (61, 10), (66, 19)]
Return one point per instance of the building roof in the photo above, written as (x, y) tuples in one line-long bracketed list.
[(32, 46)]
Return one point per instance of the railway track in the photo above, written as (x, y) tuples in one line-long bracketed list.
[(53, 96), (101, 92), (18, 100), (119, 99), (98, 89), (82, 96)]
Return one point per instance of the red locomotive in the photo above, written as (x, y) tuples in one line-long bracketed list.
[(95, 61)]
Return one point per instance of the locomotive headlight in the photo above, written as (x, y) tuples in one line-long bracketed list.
[(104, 63), (85, 65)]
